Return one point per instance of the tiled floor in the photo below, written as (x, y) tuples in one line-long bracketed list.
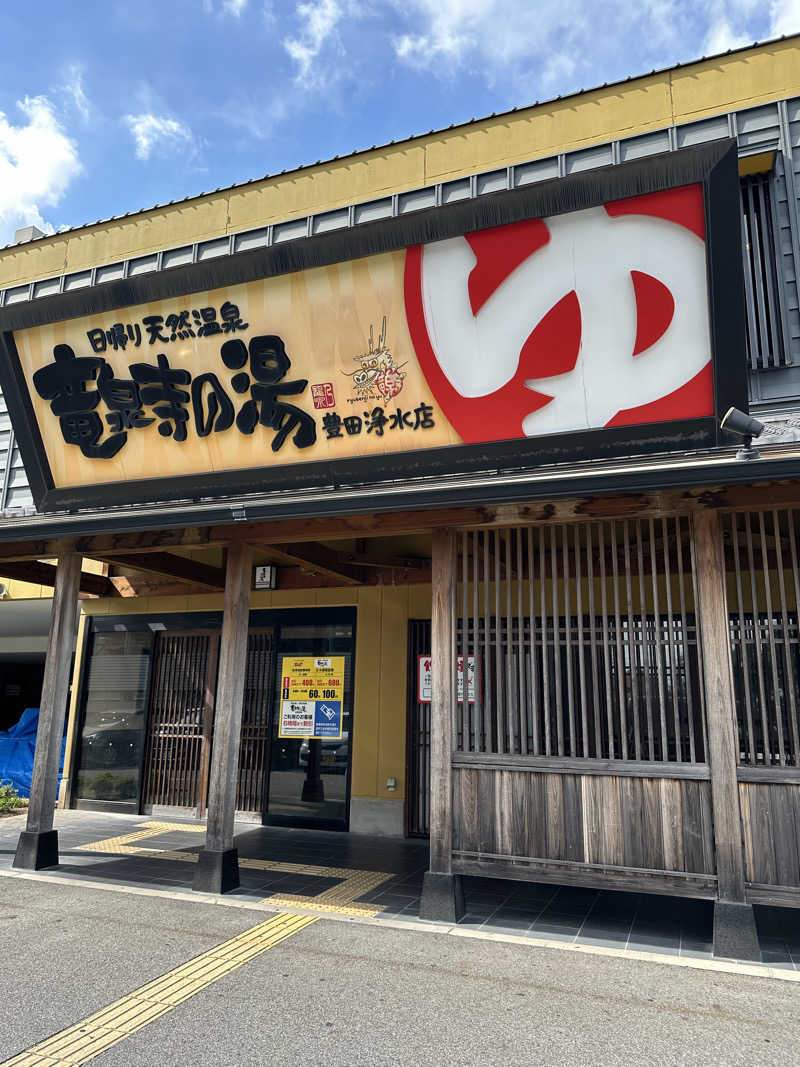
[(334, 872)]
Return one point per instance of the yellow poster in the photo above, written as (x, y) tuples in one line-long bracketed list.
[(312, 693)]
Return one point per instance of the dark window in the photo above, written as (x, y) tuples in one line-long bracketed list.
[(765, 344)]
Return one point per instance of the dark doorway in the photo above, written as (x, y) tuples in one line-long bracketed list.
[(418, 734), (20, 687)]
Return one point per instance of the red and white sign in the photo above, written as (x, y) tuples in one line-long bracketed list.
[(425, 678), (584, 320)]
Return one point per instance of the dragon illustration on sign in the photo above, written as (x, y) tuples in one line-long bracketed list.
[(377, 376)]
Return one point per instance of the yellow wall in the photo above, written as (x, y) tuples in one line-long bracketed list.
[(379, 726), (684, 94)]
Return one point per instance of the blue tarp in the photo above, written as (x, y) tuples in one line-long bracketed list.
[(17, 746)]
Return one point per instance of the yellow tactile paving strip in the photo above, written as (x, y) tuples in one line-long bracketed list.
[(95, 1034), (338, 899)]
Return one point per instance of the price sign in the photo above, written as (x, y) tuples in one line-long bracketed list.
[(312, 691)]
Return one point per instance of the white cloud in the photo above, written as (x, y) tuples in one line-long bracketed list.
[(730, 25), (721, 36), (784, 17), (226, 7), (149, 130), (38, 162), (559, 45), (73, 89), (319, 19)]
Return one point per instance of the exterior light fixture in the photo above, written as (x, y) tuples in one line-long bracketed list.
[(747, 428)]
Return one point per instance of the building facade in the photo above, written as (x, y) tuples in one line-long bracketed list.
[(427, 440)]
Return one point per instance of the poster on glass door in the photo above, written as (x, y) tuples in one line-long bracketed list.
[(312, 692)]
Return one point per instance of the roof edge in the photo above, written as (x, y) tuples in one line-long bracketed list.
[(398, 143)]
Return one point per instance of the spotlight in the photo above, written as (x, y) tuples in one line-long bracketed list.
[(746, 427)]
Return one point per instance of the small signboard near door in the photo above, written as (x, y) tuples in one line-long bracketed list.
[(425, 678), (312, 690)]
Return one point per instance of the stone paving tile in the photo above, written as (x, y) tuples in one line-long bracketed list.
[(554, 923), (536, 910)]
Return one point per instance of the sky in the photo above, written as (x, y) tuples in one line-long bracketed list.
[(110, 107)]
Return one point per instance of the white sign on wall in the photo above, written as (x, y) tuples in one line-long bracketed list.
[(425, 678)]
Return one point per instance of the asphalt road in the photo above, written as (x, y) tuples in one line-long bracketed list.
[(340, 994)]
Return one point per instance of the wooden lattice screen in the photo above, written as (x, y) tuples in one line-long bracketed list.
[(580, 641), (180, 720), (763, 565)]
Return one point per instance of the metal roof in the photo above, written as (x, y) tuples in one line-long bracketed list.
[(405, 140)]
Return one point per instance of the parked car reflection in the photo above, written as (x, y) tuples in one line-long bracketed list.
[(333, 758)]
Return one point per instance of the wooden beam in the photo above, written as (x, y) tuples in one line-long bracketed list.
[(38, 843), (443, 699), (218, 867), (442, 893), (720, 705), (168, 565), (38, 573), (387, 524), (318, 559)]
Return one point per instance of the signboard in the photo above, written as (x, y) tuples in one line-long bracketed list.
[(312, 691), (425, 678), (265, 577), (551, 336)]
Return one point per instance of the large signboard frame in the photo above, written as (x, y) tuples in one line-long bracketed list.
[(712, 167)]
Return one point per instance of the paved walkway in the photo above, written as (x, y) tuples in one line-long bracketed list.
[(136, 979), (379, 879)]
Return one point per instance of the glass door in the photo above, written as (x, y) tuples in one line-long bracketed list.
[(312, 727)]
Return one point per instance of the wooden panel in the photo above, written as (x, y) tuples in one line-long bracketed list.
[(632, 823), (771, 829), (674, 883)]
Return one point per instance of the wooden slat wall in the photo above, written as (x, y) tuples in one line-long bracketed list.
[(763, 594), (645, 824), (771, 832), (584, 641)]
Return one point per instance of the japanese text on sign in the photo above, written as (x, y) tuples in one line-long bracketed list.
[(425, 678), (312, 691)]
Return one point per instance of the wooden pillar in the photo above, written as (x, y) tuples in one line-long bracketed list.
[(734, 923), (38, 843), (442, 896), (218, 864)]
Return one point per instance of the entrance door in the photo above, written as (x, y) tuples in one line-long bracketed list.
[(181, 720), (309, 779)]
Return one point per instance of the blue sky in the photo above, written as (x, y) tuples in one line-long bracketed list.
[(108, 107)]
